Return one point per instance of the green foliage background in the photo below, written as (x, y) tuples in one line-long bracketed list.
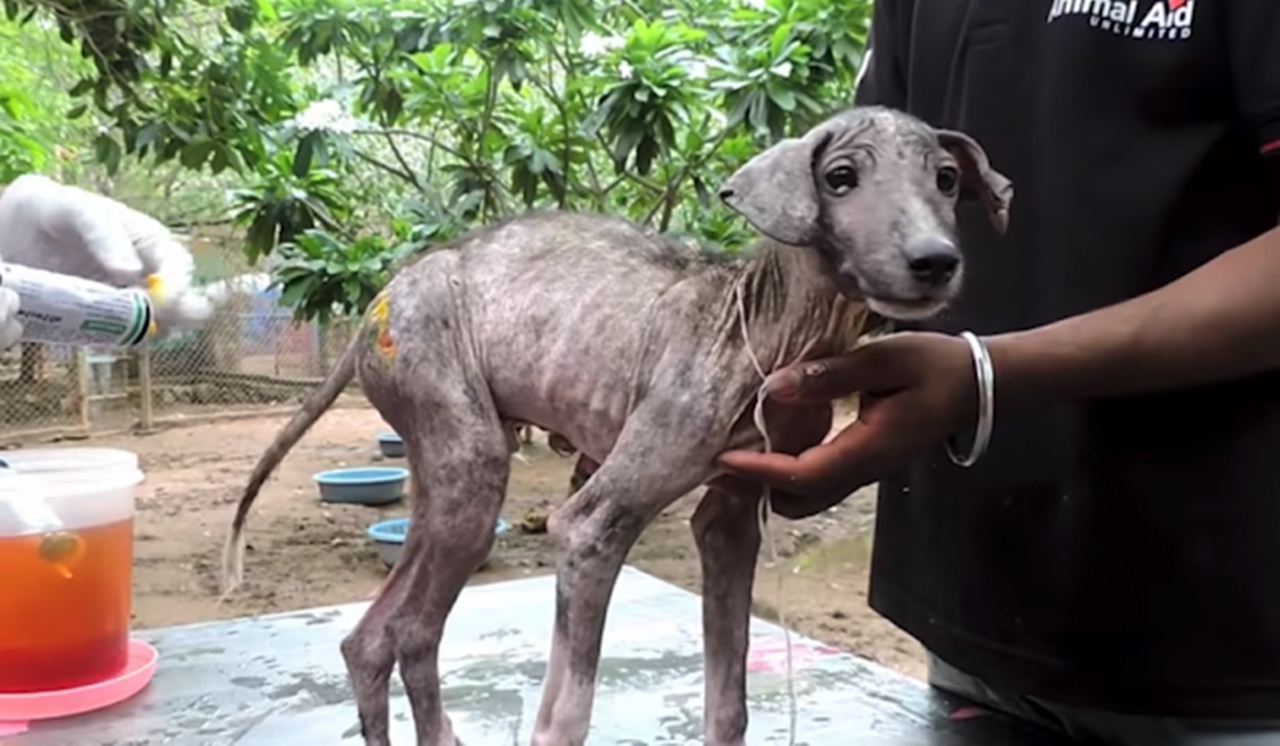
[(345, 136)]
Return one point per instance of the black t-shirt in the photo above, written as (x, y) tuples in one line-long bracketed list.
[(1124, 553)]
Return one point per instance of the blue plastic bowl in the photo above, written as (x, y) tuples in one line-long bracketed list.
[(391, 445), (365, 485), (389, 537)]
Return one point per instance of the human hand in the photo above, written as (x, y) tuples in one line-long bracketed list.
[(917, 388), (59, 228), (794, 428)]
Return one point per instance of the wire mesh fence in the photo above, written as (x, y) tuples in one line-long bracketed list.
[(249, 357)]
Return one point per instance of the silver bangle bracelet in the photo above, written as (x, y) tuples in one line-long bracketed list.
[(986, 378)]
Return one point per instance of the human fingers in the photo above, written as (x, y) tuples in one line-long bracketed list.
[(820, 469), (795, 493), (786, 504), (870, 367), (169, 269), (95, 243), (772, 468), (158, 250)]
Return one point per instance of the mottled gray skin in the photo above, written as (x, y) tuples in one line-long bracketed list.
[(631, 350)]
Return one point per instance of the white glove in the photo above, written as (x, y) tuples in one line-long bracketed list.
[(10, 327), (59, 228)]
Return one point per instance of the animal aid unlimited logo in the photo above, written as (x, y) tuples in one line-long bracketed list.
[(1167, 20)]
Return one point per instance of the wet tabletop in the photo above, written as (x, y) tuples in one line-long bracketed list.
[(278, 680)]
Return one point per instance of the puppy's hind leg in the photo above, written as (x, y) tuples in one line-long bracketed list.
[(458, 453), (460, 483), (583, 468), (370, 657), (462, 476)]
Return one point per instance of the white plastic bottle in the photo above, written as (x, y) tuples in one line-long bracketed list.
[(66, 310)]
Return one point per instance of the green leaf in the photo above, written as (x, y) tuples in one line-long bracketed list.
[(219, 162), (784, 98), (627, 140), (646, 152), (82, 87), (145, 136), (240, 16), (778, 39), (195, 153), (700, 189), (107, 151), (292, 293), (303, 156)]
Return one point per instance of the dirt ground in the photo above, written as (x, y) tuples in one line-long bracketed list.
[(305, 553)]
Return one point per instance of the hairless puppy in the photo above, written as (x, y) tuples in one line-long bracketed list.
[(637, 353)]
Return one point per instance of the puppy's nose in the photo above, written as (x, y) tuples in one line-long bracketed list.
[(932, 261)]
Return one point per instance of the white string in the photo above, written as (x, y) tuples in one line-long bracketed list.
[(766, 507)]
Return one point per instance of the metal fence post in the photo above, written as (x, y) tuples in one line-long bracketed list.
[(146, 394), (82, 387)]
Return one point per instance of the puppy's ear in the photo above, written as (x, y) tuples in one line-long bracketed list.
[(977, 174), (775, 190)]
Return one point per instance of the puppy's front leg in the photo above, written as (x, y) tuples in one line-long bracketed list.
[(727, 532)]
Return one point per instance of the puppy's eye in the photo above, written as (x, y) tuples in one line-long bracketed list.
[(948, 180), (842, 179)]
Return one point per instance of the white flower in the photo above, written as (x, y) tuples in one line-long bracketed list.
[(594, 45), (696, 69), (625, 70), (327, 115)]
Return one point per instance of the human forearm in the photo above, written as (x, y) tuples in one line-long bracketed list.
[(1218, 322)]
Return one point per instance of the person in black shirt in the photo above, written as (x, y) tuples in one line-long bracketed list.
[(1108, 567)]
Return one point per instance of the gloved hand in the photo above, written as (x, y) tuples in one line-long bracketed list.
[(10, 327), (59, 228)]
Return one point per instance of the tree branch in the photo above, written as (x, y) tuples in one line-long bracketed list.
[(395, 150), (414, 134), (376, 163)]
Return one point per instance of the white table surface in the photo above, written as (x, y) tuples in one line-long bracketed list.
[(279, 679)]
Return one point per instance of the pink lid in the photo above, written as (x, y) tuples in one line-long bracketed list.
[(17, 709)]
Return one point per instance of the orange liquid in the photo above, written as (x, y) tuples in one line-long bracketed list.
[(65, 601)]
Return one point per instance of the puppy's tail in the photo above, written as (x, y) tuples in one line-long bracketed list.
[(312, 409)]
